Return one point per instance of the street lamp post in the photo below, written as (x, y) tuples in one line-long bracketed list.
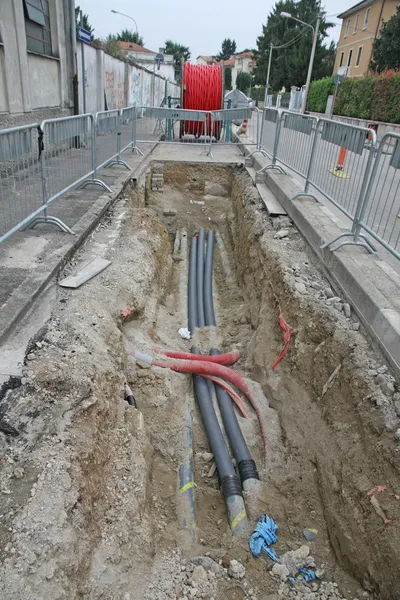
[(116, 12), (311, 63)]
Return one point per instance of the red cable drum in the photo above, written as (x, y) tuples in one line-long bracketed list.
[(202, 91)]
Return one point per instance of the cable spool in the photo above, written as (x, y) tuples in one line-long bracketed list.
[(202, 91)]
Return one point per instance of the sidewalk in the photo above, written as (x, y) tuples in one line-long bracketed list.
[(28, 259)]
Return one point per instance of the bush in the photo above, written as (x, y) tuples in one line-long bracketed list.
[(354, 98), (318, 94), (385, 101)]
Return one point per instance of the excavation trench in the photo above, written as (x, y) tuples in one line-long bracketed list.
[(97, 512)]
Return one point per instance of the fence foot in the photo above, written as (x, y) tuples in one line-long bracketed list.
[(52, 221), (298, 194), (261, 150), (95, 182), (277, 167), (365, 242), (136, 150), (117, 161)]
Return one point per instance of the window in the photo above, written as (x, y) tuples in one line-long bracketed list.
[(346, 33), (341, 59), (356, 23), (37, 26), (366, 18), (359, 56), (350, 57)]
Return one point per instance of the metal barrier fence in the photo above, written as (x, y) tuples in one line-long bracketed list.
[(269, 129), (168, 125), (108, 139), (20, 178), (127, 128), (295, 141), (379, 210), (240, 121)]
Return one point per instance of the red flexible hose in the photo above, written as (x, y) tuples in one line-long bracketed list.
[(235, 397), (202, 91), (229, 358), (209, 368)]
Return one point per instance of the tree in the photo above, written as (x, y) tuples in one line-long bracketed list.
[(85, 21), (110, 45), (289, 65), (127, 35), (243, 82), (228, 78), (386, 50), (178, 51), (228, 48)]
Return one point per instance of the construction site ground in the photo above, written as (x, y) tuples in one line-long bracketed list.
[(89, 484)]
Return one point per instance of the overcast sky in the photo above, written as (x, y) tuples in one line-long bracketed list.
[(201, 25)]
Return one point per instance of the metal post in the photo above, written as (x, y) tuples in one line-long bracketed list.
[(310, 67), (268, 73), (169, 137), (83, 70), (228, 125)]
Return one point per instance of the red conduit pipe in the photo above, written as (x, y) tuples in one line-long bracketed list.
[(229, 358), (209, 368), (235, 397)]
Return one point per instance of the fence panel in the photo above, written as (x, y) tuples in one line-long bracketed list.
[(244, 122), (107, 128), (127, 128), (295, 142), (341, 163), (172, 125), (68, 155), (21, 182), (380, 212), (269, 129)]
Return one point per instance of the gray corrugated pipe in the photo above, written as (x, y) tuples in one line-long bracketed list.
[(230, 482), (246, 465)]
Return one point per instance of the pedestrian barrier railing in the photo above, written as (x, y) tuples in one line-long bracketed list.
[(171, 125), (20, 178), (295, 141), (338, 161), (244, 123), (378, 213), (108, 139)]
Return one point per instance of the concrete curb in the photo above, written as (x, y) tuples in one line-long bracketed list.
[(372, 297), (25, 294)]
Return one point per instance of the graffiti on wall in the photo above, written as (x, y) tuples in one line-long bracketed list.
[(114, 92), (135, 91)]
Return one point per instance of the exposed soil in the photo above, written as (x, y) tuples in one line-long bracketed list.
[(89, 488)]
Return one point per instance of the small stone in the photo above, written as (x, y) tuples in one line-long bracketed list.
[(396, 404), (142, 373), (320, 573), (193, 592), (333, 299), (356, 326), (31, 356), (39, 344), (385, 384), (143, 365), (169, 212), (30, 557), (347, 310), (328, 292), (282, 233), (301, 288), (219, 521), (281, 571), (236, 570), (397, 434), (383, 369), (18, 473), (372, 372), (212, 470), (315, 285), (338, 306), (207, 456), (199, 575)]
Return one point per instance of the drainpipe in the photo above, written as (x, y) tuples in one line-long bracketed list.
[(75, 83)]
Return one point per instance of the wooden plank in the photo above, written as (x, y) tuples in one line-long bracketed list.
[(96, 266)]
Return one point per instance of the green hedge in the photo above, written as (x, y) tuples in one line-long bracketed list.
[(376, 97), (318, 94), (354, 98)]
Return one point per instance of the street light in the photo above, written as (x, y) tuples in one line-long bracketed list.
[(116, 12), (311, 63)]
